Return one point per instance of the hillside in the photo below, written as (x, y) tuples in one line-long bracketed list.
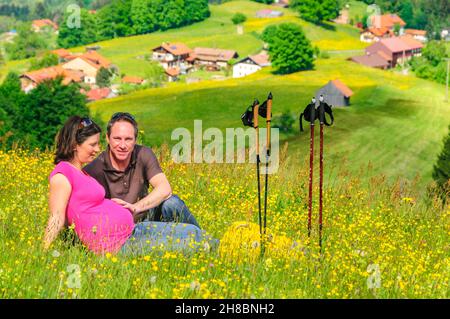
[(396, 122)]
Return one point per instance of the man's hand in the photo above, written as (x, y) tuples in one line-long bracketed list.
[(131, 207)]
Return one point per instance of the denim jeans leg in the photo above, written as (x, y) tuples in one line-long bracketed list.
[(148, 236), (175, 210)]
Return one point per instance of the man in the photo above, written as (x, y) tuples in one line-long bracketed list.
[(126, 170)]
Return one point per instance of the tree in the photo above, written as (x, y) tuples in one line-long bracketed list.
[(316, 11), (143, 17), (26, 44), (268, 33), (238, 18), (47, 60), (40, 11), (171, 14), (11, 96), (72, 35), (46, 108), (407, 14), (284, 122), (435, 52), (103, 78), (441, 170), (154, 74), (290, 50), (196, 10)]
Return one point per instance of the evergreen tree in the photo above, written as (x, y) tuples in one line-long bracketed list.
[(45, 109), (441, 170), (41, 11), (407, 14), (71, 36), (290, 50), (11, 96)]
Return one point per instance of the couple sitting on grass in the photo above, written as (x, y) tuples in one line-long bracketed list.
[(107, 201)]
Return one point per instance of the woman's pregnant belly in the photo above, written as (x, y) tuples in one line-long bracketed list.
[(103, 228)]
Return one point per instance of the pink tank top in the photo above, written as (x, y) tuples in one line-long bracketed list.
[(101, 224)]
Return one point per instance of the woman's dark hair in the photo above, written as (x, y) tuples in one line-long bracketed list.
[(75, 131)]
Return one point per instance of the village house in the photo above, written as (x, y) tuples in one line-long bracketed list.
[(392, 50), (172, 74), (99, 94), (375, 34), (343, 17), (281, 3), (335, 93), (371, 60), (89, 63), (213, 59), (77, 68), (419, 35), (63, 55), (382, 26), (250, 64), (135, 80), (40, 25), (267, 13), (174, 55), (30, 80)]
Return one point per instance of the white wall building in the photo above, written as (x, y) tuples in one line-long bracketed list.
[(250, 64)]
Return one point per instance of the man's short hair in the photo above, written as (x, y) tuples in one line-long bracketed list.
[(122, 116)]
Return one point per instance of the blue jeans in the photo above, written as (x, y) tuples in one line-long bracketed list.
[(151, 236), (172, 209)]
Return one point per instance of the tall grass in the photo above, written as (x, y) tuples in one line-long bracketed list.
[(380, 240)]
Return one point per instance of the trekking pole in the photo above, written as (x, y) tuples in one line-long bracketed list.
[(321, 119), (310, 114), (250, 118), (322, 109), (258, 160), (312, 118), (268, 120)]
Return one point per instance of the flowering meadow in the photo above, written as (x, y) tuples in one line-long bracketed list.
[(380, 239)]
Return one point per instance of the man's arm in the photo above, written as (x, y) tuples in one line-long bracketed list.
[(161, 191)]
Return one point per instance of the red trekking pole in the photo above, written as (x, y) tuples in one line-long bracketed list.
[(322, 109), (310, 115)]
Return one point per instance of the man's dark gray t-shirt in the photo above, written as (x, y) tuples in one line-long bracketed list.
[(130, 185)]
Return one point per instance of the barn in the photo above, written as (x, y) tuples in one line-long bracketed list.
[(336, 93)]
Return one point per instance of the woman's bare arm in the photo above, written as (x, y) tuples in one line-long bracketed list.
[(60, 190)]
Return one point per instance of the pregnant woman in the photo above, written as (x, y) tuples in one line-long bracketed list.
[(101, 224)]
